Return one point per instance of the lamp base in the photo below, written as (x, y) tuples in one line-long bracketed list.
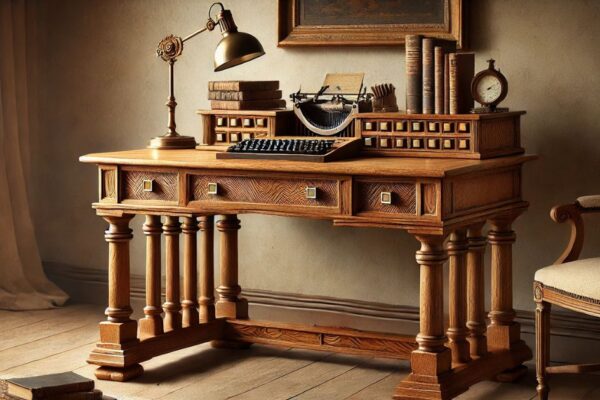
[(171, 142)]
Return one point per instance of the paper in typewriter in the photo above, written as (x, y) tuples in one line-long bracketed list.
[(349, 84)]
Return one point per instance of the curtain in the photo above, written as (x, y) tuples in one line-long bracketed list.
[(23, 284)]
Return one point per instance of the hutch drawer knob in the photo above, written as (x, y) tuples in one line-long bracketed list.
[(213, 188), (148, 185), (386, 198), (311, 192)]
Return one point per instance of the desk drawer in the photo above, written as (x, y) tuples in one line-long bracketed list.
[(278, 191), (149, 185), (385, 197)]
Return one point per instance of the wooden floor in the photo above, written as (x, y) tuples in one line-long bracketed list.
[(41, 342)]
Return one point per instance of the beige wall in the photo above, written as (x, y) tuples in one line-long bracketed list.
[(101, 88)]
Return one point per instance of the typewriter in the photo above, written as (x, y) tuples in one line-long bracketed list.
[(322, 129)]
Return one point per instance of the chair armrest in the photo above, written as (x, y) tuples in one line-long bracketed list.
[(571, 213)]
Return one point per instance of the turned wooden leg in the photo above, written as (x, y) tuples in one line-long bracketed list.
[(118, 335), (190, 273), (207, 281), (503, 331), (230, 305), (457, 330), (152, 325), (476, 291), (542, 341), (432, 359), (172, 306)]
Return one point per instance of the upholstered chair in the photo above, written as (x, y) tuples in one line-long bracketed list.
[(570, 283)]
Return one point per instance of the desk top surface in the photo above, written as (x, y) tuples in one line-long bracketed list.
[(373, 166)]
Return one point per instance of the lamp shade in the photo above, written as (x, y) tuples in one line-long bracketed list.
[(236, 48)]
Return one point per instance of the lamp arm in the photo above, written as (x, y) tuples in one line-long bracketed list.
[(169, 49)]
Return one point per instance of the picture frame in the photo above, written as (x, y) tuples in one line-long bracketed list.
[(368, 22)]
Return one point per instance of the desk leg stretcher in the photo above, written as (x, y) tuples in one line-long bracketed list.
[(445, 360)]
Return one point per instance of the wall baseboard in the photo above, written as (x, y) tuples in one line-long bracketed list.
[(568, 328)]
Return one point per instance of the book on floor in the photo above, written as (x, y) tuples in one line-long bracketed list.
[(47, 386)]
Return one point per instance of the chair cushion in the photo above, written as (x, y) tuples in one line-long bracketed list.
[(589, 201), (581, 277)]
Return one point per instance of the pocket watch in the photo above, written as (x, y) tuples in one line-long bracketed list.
[(489, 87)]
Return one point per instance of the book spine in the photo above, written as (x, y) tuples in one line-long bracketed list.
[(414, 75), (446, 83), (462, 68), (428, 76), (229, 95), (247, 105), (438, 84), (465, 70), (453, 99), (243, 85)]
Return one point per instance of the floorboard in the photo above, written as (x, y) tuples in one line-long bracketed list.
[(364, 374), (40, 342)]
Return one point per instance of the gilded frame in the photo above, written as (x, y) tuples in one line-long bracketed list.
[(292, 34)]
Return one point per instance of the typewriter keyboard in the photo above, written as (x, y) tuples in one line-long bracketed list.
[(283, 146)]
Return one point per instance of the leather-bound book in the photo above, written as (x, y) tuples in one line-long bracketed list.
[(438, 81), (428, 75), (461, 71), (48, 386), (247, 95), (240, 86), (447, 83), (247, 104), (414, 75)]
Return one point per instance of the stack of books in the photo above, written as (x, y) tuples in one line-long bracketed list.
[(245, 95), (438, 78), (64, 386)]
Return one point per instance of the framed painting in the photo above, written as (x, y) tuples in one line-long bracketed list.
[(368, 22)]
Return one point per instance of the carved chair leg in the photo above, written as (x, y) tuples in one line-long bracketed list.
[(542, 343), (118, 334)]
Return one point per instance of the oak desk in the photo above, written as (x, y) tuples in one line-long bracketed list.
[(443, 203)]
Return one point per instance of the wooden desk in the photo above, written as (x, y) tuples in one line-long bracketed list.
[(443, 203)]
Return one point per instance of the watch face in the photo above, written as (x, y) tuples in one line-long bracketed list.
[(489, 89)]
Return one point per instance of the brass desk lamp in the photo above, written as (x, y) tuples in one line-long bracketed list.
[(234, 48)]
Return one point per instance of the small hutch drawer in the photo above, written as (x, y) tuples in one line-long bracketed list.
[(149, 185), (273, 191)]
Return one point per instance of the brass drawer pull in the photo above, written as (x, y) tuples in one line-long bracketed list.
[(148, 185), (386, 197), (311, 192), (213, 188)]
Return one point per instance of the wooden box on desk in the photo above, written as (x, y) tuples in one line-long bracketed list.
[(475, 136), (221, 128)]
